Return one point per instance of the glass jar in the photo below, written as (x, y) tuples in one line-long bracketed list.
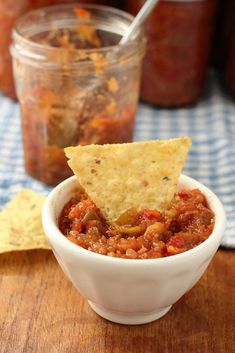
[(75, 84), (179, 35), (10, 10)]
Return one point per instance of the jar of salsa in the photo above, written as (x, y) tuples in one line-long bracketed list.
[(75, 84), (179, 36), (10, 10)]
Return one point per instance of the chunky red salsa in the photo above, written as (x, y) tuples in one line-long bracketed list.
[(139, 235)]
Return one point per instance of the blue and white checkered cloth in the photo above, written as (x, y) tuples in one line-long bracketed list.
[(210, 124)]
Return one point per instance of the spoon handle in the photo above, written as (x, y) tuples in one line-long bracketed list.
[(138, 20)]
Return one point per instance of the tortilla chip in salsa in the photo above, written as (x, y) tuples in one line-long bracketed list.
[(120, 177)]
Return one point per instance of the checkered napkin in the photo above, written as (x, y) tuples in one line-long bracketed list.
[(210, 124)]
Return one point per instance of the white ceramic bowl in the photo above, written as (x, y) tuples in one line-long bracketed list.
[(123, 290)]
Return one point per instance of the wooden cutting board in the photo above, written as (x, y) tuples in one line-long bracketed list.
[(40, 311)]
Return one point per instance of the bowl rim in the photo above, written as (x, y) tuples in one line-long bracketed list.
[(53, 233)]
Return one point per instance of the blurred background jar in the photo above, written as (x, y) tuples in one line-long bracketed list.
[(74, 83), (10, 10), (179, 36)]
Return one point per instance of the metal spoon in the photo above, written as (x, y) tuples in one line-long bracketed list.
[(139, 19)]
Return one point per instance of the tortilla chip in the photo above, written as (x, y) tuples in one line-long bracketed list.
[(20, 223), (136, 175)]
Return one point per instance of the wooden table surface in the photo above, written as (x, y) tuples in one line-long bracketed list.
[(40, 311)]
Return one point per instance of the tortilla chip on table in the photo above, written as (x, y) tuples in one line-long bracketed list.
[(20, 223)]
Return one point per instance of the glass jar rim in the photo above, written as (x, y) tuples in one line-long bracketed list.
[(33, 51)]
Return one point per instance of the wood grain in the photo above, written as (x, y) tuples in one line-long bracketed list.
[(40, 311)]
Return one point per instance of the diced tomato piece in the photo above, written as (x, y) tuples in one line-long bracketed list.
[(176, 245), (183, 194), (177, 241), (146, 215)]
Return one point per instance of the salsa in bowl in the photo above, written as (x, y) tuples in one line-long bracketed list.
[(144, 234)]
